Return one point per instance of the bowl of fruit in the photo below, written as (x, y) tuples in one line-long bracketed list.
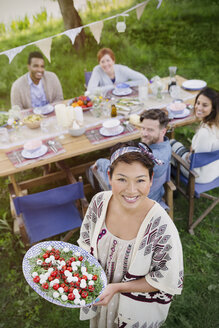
[(32, 121), (82, 101)]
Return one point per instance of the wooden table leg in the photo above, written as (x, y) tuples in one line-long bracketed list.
[(17, 189)]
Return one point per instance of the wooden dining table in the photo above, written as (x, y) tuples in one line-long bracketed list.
[(73, 146)]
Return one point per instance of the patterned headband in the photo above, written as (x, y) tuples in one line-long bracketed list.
[(130, 149)]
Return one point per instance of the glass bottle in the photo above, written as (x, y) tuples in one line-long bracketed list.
[(113, 111), (172, 81)]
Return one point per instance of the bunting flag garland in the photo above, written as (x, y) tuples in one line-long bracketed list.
[(96, 29), (159, 3), (45, 46), (13, 52), (139, 10), (73, 33)]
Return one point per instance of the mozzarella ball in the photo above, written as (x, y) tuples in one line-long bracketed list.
[(64, 297), (55, 294)]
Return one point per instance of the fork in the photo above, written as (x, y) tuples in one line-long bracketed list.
[(17, 157)]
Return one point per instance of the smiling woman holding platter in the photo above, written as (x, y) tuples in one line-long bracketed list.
[(135, 241)]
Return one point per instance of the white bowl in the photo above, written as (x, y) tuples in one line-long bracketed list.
[(177, 107), (111, 125), (33, 145), (77, 132)]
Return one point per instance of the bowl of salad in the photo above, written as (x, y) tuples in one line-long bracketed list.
[(32, 121)]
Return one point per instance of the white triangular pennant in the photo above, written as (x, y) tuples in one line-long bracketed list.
[(139, 10), (96, 30), (73, 33), (159, 3), (13, 52), (45, 46)]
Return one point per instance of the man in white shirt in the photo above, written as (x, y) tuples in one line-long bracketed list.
[(37, 87)]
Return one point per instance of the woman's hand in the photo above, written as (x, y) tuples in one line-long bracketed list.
[(107, 294), (139, 285)]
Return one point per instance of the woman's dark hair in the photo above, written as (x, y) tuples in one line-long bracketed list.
[(131, 157), (213, 96)]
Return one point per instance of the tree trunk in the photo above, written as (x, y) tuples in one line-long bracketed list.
[(71, 20)]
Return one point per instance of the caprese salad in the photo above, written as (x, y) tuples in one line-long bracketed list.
[(66, 276)]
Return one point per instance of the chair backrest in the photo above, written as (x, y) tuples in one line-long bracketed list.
[(202, 159), (49, 198), (87, 76), (49, 213)]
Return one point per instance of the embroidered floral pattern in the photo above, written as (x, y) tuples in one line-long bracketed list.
[(123, 324), (94, 211), (127, 253), (156, 242), (111, 264), (101, 234)]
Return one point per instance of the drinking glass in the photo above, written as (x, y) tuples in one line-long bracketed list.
[(143, 92), (172, 70), (175, 92), (44, 125), (4, 137)]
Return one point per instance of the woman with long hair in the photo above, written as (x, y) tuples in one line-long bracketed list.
[(206, 139)]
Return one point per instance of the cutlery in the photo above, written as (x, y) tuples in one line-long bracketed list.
[(51, 144), (93, 134), (17, 157)]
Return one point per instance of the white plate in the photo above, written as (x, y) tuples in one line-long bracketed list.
[(106, 133), (185, 113), (122, 92), (44, 110), (37, 249), (194, 84), (40, 152)]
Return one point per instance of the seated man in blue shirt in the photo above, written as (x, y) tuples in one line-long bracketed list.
[(153, 129), (37, 87)]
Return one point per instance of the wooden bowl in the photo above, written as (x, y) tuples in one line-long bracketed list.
[(32, 121)]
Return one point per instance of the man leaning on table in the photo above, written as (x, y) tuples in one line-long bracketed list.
[(37, 87), (153, 129)]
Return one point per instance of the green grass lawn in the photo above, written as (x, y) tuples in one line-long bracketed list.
[(184, 33)]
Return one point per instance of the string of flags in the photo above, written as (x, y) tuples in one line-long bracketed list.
[(96, 29)]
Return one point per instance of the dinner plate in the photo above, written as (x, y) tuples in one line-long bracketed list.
[(122, 92), (37, 249), (44, 110), (39, 152), (106, 133), (194, 85), (185, 113)]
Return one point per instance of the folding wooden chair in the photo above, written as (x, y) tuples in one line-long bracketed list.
[(196, 190), (51, 212), (87, 76)]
